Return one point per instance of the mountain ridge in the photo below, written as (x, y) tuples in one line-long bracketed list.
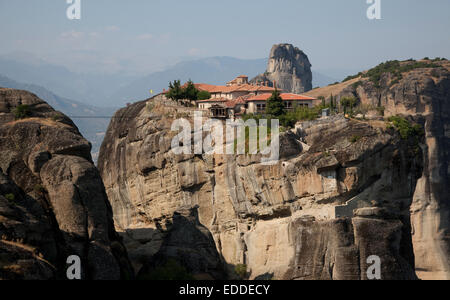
[(91, 121), (117, 90)]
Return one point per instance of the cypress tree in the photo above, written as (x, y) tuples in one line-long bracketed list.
[(275, 106)]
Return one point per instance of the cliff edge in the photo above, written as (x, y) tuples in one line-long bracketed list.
[(52, 200), (340, 193)]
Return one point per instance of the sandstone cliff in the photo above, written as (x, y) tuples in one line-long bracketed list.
[(289, 68), (52, 200), (422, 92), (332, 201)]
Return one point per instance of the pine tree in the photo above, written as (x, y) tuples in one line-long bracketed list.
[(332, 102), (322, 98), (275, 105), (190, 91), (175, 91)]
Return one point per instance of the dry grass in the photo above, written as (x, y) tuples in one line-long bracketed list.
[(41, 121), (334, 89)]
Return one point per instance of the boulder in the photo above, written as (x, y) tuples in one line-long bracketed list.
[(53, 202)]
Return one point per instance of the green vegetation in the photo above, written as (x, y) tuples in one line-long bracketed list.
[(10, 197), (348, 103), (357, 84), (203, 95), (405, 128), (39, 189), (275, 105), (333, 103), (380, 110), (186, 92), (354, 139), (172, 270), (190, 92), (322, 99), (22, 111), (241, 271), (175, 93), (326, 154), (301, 114), (353, 77), (437, 59), (247, 117), (290, 118), (57, 117), (395, 67)]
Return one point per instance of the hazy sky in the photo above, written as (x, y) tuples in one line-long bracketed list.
[(142, 36)]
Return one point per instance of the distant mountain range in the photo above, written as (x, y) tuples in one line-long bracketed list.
[(95, 89), (91, 121), (117, 90), (98, 95), (214, 70)]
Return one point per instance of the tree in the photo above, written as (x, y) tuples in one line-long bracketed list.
[(175, 93), (275, 106), (190, 91), (348, 103), (322, 98), (203, 95), (332, 106)]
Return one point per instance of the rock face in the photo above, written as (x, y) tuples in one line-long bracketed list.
[(52, 200), (423, 94), (191, 245), (288, 68), (319, 213)]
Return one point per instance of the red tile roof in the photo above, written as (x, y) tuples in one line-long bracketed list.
[(205, 87), (242, 99)]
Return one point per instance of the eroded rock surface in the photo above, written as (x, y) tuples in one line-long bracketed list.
[(52, 200), (297, 219), (424, 95), (288, 68), (191, 245)]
